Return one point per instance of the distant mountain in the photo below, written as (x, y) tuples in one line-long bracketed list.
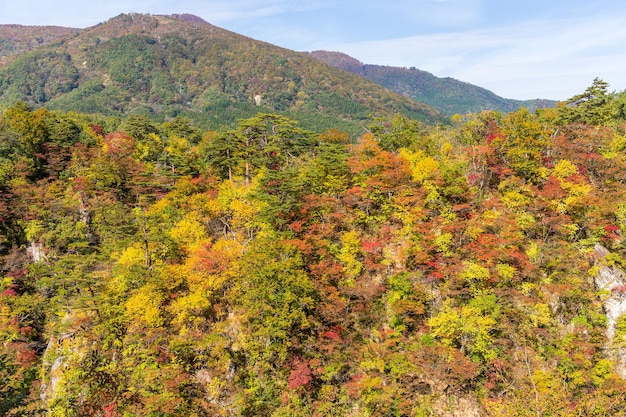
[(180, 64), (447, 95)]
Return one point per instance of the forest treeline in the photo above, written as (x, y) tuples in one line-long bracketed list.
[(155, 269)]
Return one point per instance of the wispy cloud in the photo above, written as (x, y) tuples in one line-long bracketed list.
[(552, 59), (226, 11), (429, 14)]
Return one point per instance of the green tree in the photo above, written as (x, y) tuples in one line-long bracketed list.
[(222, 152), (592, 107), (522, 144), (399, 132)]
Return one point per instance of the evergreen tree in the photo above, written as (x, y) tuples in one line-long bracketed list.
[(592, 107)]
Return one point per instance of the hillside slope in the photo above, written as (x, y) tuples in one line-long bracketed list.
[(175, 64), (15, 39), (448, 95)]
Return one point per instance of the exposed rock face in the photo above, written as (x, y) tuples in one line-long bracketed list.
[(36, 252), (612, 280), (49, 389), (62, 353), (457, 407)]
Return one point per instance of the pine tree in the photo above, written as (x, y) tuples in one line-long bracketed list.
[(592, 107)]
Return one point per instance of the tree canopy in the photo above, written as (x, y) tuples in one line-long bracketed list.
[(156, 269)]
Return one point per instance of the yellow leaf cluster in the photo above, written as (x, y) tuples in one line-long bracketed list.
[(187, 232), (514, 199), (444, 243), (145, 307), (506, 271), (475, 273), (564, 169), (465, 327), (350, 249), (422, 166), (132, 255), (540, 315)]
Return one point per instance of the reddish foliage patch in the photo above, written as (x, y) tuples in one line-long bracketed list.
[(300, 374)]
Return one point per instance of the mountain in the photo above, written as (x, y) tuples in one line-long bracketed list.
[(447, 95), (180, 64)]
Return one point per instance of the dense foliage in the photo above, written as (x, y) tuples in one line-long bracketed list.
[(153, 269)]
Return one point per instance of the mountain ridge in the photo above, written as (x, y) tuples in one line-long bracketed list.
[(15, 39), (446, 94), (182, 64)]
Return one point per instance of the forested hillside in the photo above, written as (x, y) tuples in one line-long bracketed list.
[(180, 65), (15, 39), (447, 95), (157, 269)]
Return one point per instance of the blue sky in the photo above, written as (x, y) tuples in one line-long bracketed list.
[(518, 49)]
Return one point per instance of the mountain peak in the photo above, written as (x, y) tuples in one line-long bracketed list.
[(145, 24), (189, 18), (150, 22)]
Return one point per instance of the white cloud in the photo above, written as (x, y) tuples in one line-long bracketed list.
[(441, 13), (548, 59)]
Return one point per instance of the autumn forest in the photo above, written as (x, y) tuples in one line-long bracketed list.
[(158, 265)]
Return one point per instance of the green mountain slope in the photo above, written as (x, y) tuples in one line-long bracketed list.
[(181, 64), (447, 95)]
